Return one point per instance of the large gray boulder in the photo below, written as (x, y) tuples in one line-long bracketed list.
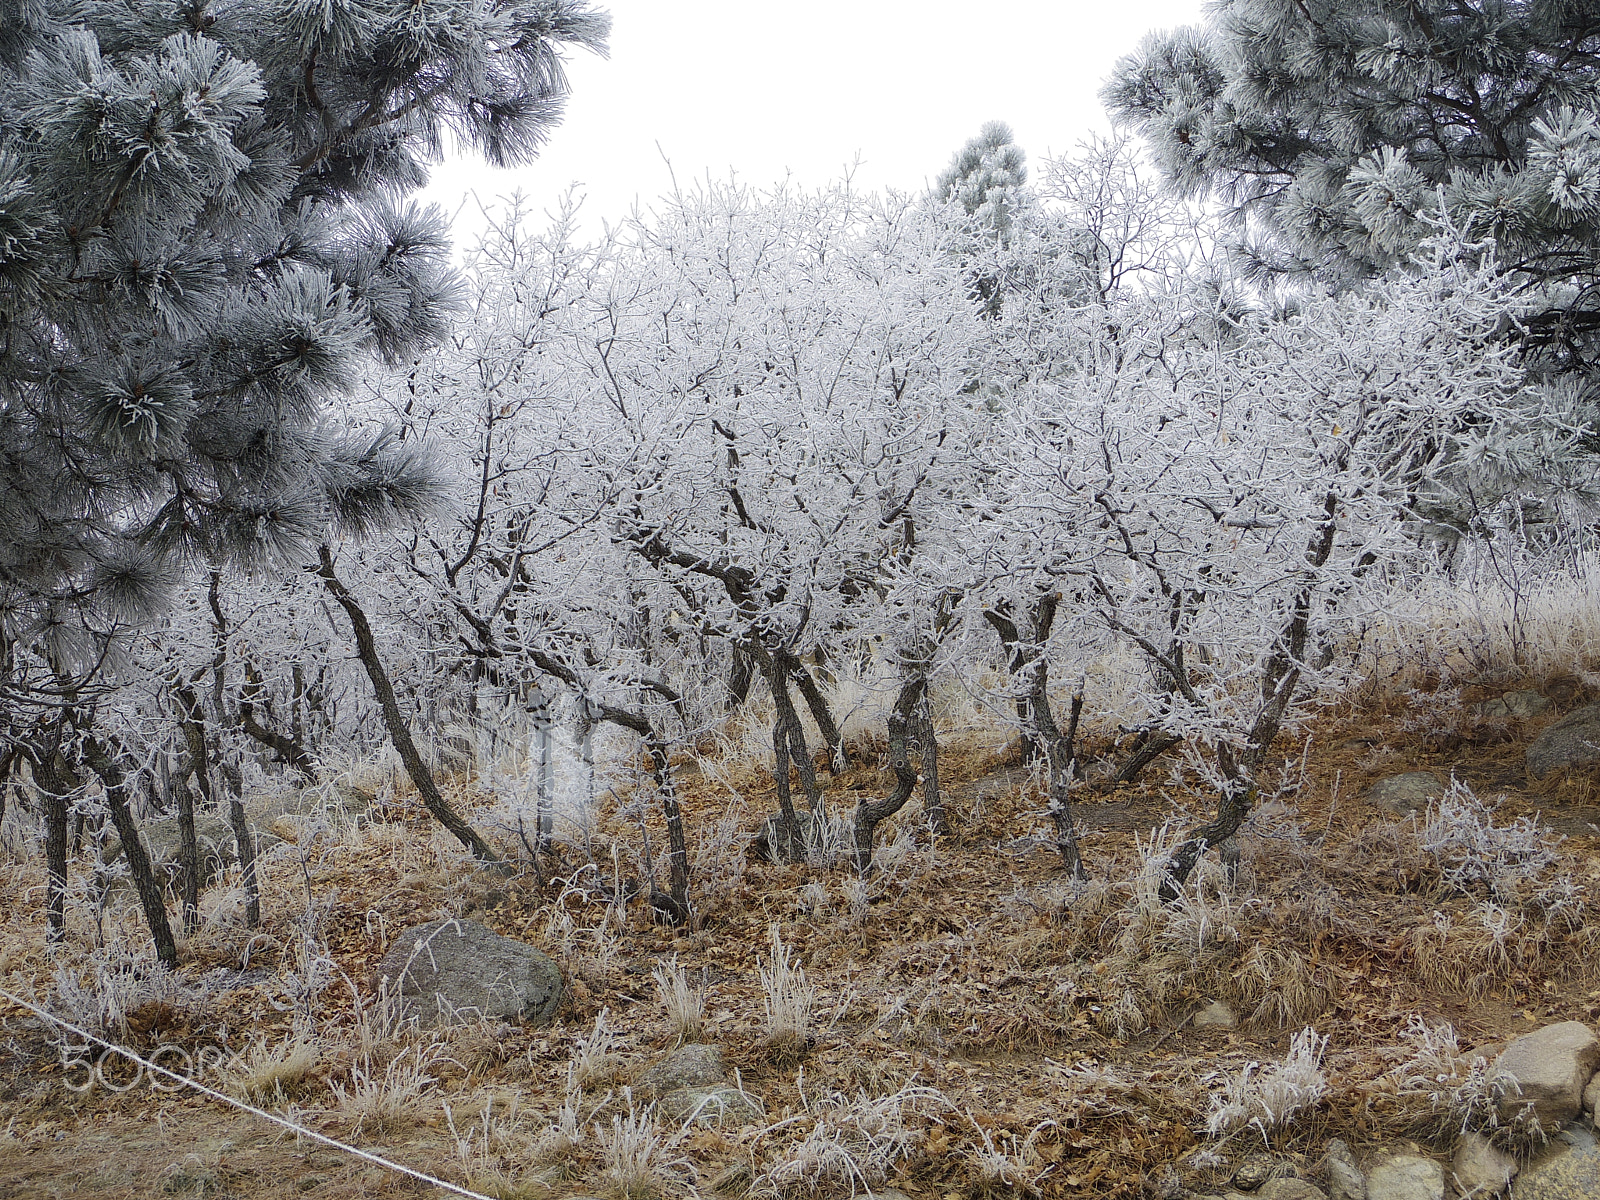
[(1405, 1177), (1407, 793), (1574, 1175), (447, 970), (1552, 1065), (1573, 741)]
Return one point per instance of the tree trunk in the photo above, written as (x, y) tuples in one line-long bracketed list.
[(144, 879), (678, 849), (394, 720), (1154, 745), (932, 797), (821, 712), (188, 856), (53, 785), (869, 813), (194, 735)]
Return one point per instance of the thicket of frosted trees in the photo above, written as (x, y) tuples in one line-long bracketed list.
[(823, 456)]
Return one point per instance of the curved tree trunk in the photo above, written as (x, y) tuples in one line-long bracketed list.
[(869, 813), (394, 720), (151, 899)]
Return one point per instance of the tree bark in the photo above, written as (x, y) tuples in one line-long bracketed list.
[(1153, 747), (932, 797), (394, 720), (194, 735), (869, 813), (188, 856), (53, 785), (151, 899), (821, 711)]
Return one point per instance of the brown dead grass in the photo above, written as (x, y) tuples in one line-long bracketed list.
[(1052, 1016)]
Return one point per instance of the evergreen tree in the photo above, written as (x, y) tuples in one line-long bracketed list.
[(202, 239), (986, 177), (1339, 128)]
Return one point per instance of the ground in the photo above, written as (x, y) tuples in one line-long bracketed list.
[(1029, 1034)]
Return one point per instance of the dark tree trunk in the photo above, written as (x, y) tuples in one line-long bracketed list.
[(53, 784), (1041, 732), (740, 678), (1280, 676), (188, 856), (1151, 747), (869, 813), (821, 712), (288, 749), (932, 797), (151, 899), (677, 846), (194, 735), (394, 720)]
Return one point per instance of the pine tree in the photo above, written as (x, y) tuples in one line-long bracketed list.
[(986, 177), (1339, 129), (202, 239)]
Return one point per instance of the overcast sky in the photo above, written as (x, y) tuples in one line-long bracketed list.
[(768, 91)]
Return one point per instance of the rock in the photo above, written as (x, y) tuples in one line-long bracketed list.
[(1407, 793), (163, 841), (1345, 1181), (1290, 1189), (1591, 1098), (1516, 706), (719, 1105), (465, 967), (1480, 1168), (1214, 1014), (1573, 741), (690, 1066), (1405, 1177), (1257, 1169), (1552, 1065), (1574, 1175)]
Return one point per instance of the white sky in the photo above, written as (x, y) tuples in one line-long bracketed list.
[(768, 91)]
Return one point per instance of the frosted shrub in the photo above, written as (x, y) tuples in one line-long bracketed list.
[(1459, 1094), (789, 998), (1474, 855), (1267, 1097)]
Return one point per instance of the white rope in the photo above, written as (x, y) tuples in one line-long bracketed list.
[(298, 1130)]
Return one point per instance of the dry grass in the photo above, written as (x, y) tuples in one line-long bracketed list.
[(1053, 1013)]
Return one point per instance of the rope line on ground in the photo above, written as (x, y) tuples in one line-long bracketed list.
[(298, 1130)]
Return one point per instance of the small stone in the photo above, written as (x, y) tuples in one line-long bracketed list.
[(1345, 1181), (1591, 1097), (1214, 1014), (1516, 706), (1480, 1168), (1574, 1175), (1552, 1065), (690, 1066), (1257, 1169), (1406, 793), (721, 1105), (1290, 1189), (1405, 1177)]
